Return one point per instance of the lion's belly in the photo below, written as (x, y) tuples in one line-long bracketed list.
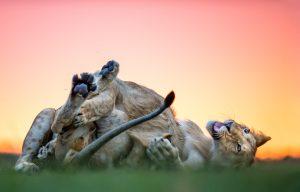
[(113, 152), (129, 147), (117, 148)]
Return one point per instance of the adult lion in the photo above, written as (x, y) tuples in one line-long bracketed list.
[(100, 102)]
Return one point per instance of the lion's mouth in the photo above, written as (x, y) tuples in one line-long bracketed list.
[(216, 128)]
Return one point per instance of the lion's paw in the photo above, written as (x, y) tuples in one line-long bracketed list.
[(110, 69), (162, 152), (69, 156), (47, 150), (83, 85), (27, 167)]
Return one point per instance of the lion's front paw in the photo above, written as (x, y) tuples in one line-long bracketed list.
[(84, 115), (80, 120), (69, 156), (27, 167), (83, 85), (163, 153), (110, 70)]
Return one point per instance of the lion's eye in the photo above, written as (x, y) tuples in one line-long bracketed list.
[(246, 130), (238, 147)]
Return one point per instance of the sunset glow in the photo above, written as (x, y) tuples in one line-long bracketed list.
[(223, 60)]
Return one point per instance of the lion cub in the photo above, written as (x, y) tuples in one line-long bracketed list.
[(231, 144)]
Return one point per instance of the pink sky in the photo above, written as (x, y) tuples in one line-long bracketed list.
[(223, 59)]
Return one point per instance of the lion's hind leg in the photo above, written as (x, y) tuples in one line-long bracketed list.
[(38, 135), (110, 70), (106, 75), (82, 87)]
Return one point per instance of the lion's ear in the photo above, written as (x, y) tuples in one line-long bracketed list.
[(167, 136), (260, 138)]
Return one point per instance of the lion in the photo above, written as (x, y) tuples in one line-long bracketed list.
[(97, 104), (231, 145)]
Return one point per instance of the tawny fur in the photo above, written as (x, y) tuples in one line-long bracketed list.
[(224, 150), (221, 149), (114, 103)]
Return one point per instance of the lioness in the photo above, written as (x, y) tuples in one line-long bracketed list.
[(98, 103)]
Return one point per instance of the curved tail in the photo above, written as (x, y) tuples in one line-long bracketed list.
[(85, 154)]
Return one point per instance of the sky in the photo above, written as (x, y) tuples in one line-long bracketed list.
[(223, 59)]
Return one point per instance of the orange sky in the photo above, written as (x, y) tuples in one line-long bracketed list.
[(224, 60)]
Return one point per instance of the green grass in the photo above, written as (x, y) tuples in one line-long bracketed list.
[(270, 176)]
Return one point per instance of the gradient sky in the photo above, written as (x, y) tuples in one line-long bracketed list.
[(229, 59)]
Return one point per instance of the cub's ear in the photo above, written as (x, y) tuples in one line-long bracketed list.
[(260, 138), (167, 136)]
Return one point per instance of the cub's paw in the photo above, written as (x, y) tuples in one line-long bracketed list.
[(84, 116), (83, 85), (47, 150), (110, 69), (80, 120), (162, 152), (27, 167), (69, 156)]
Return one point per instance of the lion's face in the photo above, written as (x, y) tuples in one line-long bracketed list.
[(234, 144)]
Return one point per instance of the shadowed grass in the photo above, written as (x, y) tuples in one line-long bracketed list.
[(272, 176)]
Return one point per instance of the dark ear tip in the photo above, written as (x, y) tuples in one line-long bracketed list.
[(169, 99)]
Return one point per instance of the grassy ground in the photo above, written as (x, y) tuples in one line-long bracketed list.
[(263, 176)]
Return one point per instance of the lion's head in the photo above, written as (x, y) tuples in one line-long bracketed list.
[(234, 144)]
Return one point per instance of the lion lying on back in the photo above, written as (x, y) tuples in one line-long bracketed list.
[(232, 144), (101, 101), (89, 112)]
